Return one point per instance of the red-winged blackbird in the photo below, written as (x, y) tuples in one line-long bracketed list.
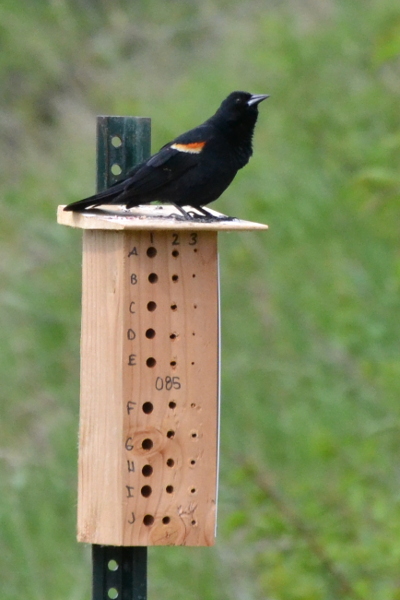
[(196, 167)]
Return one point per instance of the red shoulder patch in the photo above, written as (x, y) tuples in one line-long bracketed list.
[(194, 148)]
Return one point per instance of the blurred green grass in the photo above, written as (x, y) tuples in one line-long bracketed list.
[(309, 500)]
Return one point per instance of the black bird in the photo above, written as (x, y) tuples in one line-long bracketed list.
[(195, 168)]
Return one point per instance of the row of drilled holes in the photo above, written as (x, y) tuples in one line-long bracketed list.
[(151, 306), (148, 407), (150, 334), (153, 277), (151, 362), (152, 252)]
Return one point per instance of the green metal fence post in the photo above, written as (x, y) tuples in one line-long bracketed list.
[(122, 142)]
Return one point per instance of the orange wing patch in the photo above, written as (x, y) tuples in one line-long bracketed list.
[(194, 148)]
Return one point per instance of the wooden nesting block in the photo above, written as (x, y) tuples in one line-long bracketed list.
[(148, 448)]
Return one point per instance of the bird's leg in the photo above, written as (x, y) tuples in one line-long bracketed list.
[(205, 212), (186, 215)]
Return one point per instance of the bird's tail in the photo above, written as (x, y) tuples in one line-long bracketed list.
[(108, 196)]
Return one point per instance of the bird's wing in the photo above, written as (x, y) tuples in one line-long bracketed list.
[(169, 164)]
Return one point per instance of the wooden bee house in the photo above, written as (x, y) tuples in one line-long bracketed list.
[(149, 412)]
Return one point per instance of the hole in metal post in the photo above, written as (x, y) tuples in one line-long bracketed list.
[(112, 565), (116, 169), (112, 593), (116, 141)]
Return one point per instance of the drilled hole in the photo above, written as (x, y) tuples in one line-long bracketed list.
[(193, 333), (173, 336), (116, 141), (173, 307), (150, 362), (194, 305), (146, 491), (150, 334), (166, 520), (147, 444), (173, 363), (192, 462), (172, 404), (175, 278), (151, 252), (147, 470), (193, 275), (153, 277), (147, 408), (175, 253), (170, 434), (170, 462), (169, 489), (194, 434), (193, 522), (116, 169), (192, 363), (193, 491), (148, 520), (112, 565), (151, 306), (112, 593), (194, 249), (193, 405)]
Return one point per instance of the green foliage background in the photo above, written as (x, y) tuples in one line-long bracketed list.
[(310, 481)]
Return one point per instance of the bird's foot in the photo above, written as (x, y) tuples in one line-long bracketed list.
[(226, 218), (210, 218)]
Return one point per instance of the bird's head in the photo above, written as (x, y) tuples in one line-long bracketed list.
[(239, 105)]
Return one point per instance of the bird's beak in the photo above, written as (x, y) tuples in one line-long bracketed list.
[(257, 98)]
